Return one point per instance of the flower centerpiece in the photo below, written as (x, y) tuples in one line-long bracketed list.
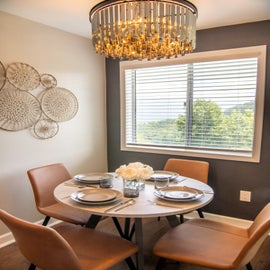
[(133, 176)]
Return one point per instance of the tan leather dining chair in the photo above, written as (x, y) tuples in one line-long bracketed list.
[(213, 244), (190, 168), (44, 180), (68, 246), (195, 169)]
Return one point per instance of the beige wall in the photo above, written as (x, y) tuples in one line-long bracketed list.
[(81, 142)]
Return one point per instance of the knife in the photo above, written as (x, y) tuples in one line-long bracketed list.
[(79, 185), (117, 205)]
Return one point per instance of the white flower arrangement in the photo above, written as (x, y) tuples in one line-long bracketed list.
[(135, 171)]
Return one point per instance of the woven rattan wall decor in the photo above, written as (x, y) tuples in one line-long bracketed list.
[(20, 109)]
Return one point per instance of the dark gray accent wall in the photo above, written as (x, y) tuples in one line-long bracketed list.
[(226, 177)]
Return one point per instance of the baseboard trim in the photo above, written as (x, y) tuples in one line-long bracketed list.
[(7, 238), (244, 223)]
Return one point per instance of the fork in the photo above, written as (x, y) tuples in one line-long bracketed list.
[(131, 202)]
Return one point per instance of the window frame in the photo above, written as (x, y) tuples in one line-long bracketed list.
[(246, 52)]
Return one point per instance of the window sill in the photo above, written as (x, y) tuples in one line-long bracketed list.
[(213, 154)]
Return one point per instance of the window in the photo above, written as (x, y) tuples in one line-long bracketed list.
[(206, 104)]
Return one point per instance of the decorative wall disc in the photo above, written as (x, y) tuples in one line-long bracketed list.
[(48, 80), (23, 76), (46, 128), (18, 109), (2, 75), (59, 104)]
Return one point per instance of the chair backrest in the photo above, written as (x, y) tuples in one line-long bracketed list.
[(190, 168), (257, 233), (44, 180), (41, 245)]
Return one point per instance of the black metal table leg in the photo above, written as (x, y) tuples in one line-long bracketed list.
[(93, 221), (132, 231), (118, 227), (127, 226), (139, 242)]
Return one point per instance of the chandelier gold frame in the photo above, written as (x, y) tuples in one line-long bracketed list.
[(143, 29)]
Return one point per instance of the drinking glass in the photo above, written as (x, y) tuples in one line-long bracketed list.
[(161, 182), (106, 183)]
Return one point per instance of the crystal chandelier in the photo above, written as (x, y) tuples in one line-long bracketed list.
[(143, 29)]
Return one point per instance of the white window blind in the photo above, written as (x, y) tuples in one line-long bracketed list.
[(195, 106)]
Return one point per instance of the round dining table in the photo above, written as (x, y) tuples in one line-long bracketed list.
[(148, 204)]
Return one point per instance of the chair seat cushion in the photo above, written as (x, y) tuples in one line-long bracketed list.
[(96, 250), (66, 213), (189, 241)]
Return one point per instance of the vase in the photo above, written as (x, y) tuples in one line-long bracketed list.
[(131, 188), (141, 184)]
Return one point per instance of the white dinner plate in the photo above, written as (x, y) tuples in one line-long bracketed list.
[(92, 178), (96, 195), (179, 194), (118, 197), (163, 174)]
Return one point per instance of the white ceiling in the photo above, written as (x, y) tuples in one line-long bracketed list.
[(72, 15)]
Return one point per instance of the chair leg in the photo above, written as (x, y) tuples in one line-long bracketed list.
[(181, 218), (32, 267), (130, 263), (249, 266), (46, 220), (160, 263), (200, 213)]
